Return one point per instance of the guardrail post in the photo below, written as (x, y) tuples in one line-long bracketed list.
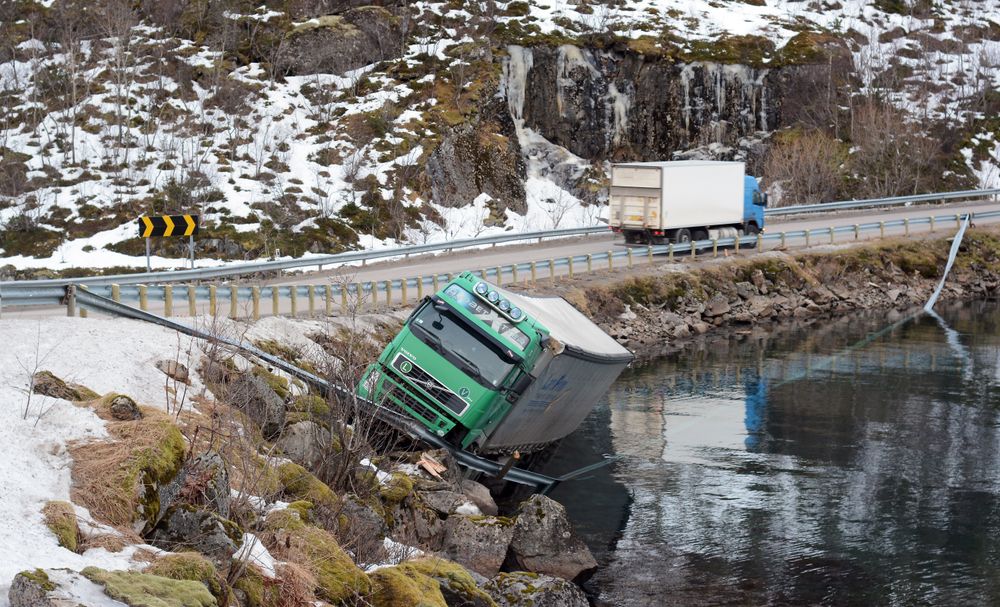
[(83, 312), (483, 274), (715, 247), (402, 291), (629, 251), (343, 298), (570, 265), (513, 273), (590, 263), (388, 293), (670, 252), (255, 298), (435, 281), (782, 240), (312, 300), (275, 301), (328, 296), (293, 298), (71, 300), (168, 300), (857, 231), (611, 261), (831, 234), (958, 220), (374, 287), (760, 242), (143, 303), (693, 249), (881, 229), (499, 276), (736, 249), (649, 253), (552, 270), (807, 237), (932, 223), (420, 288), (534, 274), (906, 226), (234, 302), (116, 293)]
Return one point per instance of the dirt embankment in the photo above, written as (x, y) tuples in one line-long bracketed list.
[(661, 308)]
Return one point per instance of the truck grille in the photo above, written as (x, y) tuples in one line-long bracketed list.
[(404, 400), (405, 367)]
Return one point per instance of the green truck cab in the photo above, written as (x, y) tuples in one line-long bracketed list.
[(473, 359)]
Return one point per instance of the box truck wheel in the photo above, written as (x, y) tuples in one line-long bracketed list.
[(682, 235), (752, 229)]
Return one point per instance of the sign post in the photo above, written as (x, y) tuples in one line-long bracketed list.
[(168, 225)]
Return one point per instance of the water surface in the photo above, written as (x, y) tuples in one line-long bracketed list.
[(835, 464)]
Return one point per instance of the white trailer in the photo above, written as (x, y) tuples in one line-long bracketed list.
[(683, 200)]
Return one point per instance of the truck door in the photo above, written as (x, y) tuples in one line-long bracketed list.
[(635, 197)]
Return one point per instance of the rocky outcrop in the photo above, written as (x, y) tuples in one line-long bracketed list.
[(544, 541), (203, 481), (479, 495), (522, 588), (338, 43), (252, 395), (478, 543), (305, 443), (191, 528)]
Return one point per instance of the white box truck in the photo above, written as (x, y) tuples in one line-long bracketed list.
[(681, 201)]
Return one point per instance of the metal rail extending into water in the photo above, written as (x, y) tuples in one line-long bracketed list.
[(540, 482)]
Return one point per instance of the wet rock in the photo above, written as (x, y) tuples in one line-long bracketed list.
[(521, 588), (174, 370), (191, 528), (478, 543), (544, 541), (124, 408), (700, 327), (479, 495), (251, 394), (305, 443)]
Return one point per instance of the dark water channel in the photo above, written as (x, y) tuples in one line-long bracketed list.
[(793, 469)]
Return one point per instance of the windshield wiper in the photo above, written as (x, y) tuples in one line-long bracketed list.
[(470, 367), (433, 341)]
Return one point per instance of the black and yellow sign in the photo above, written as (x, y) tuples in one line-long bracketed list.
[(168, 225)]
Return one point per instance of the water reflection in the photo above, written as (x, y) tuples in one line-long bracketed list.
[(804, 469)]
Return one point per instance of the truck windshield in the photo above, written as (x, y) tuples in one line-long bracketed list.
[(451, 339)]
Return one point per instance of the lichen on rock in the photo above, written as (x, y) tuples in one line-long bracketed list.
[(146, 590), (60, 518)]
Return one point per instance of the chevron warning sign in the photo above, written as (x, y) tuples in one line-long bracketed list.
[(168, 225)]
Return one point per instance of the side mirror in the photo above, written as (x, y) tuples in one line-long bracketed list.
[(522, 384), (764, 204)]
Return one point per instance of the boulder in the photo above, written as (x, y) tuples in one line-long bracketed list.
[(478, 543), (191, 528), (745, 290), (758, 280), (362, 530), (717, 306), (442, 502), (416, 524), (522, 588), (251, 394), (124, 408), (306, 443), (339, 43), (202, 481), (32, 589), (700, 327), (544, 541), (174, 370), (760, 306), (47, 384), (478, 494)]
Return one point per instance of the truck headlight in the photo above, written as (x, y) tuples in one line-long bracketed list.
[(482, 288), (504, 305), (493, 297), (516, 313)]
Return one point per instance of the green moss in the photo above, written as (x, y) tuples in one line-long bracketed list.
[(755, 51), (298, 483), (189, 566), (60, 518), (39, 578), (338, 578), (397, 489), (451, 575), (399, 587), (312, 405), (145, 590), (302, 508), (251, 583), (154, 466), (807, 48), (275, 382), (492, 521)]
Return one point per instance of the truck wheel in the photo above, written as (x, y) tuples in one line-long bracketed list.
[(683, 235), (631, 237), (752, 229), (701, 234)]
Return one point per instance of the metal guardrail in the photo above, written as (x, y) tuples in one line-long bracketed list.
[(254, 301), (7, 288)]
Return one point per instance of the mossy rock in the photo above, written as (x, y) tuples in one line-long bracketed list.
[(47, 384), (60, 518), (457, 584), (146, 590), (399, 487), (315, 407), (189, 566), (39, 578), (251, 585), (398, 587), (275, 382), (299, 483), (338, 579)]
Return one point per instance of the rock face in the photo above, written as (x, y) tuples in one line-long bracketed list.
[(521, 588), (202, 481), (361, 529), (253, 396), (338, 43), (544, 541), (305, 443), (478, 543)]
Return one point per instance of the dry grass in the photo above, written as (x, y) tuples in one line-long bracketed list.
[(296, 586), (110, 541)]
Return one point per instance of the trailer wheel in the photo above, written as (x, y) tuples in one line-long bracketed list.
[(683, 235), (701, 234), (631, 237)]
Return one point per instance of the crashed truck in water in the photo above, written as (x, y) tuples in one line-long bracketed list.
[(494, 371)]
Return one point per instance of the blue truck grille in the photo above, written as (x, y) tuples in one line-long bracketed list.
[(406, 368)]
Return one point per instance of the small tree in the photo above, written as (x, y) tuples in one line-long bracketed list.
[(806, 166)]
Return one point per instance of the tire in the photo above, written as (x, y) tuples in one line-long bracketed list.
[(752, 229), (700, 235), (682, 235), (631, 237)]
